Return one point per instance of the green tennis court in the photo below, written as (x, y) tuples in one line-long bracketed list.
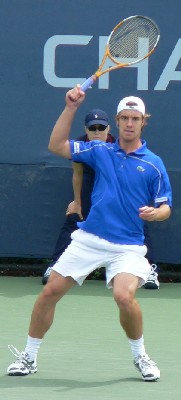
[(86, 355)]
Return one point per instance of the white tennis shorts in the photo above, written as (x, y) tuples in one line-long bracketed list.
[(88, 252)]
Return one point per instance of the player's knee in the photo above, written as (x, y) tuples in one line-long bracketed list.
[(123, 300), (51, 292)]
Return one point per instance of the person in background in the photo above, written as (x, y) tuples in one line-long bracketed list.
[(83, 182), (130, 177)]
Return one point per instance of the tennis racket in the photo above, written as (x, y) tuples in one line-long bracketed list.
[(131, 41)]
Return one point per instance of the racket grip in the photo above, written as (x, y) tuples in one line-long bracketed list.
[(87, 83)]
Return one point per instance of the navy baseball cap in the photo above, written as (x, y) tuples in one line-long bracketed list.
[(96, 116)]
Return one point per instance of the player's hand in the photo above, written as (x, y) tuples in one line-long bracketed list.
[(74, 208), (75, 97), (148, 213)]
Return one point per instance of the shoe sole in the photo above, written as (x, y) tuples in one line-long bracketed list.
[(147, 286), (44, 281), (146, 379), (16, 373)]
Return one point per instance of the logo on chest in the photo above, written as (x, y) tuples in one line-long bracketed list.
[(140, 168)]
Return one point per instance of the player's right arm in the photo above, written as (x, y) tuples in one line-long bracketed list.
[(59, 139)]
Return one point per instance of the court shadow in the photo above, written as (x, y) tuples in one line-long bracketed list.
[(16, 287), (61, 385)]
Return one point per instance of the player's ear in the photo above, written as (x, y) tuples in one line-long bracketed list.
[(143, 122), (117, 121)]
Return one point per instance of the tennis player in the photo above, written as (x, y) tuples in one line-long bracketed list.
[(135, 180)]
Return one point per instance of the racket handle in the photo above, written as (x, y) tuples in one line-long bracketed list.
[(87, 83)]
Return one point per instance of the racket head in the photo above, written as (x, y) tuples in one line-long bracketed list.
[(132, 40)]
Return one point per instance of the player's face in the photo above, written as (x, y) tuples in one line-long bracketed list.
[(97, 132), (130, 123)]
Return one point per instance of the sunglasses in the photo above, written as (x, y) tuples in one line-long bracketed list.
[(94, 128)]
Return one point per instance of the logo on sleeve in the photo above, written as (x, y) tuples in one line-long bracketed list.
[(76, 147)]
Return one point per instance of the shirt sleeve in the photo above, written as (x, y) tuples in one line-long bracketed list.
[(84, 152), (163, 187)]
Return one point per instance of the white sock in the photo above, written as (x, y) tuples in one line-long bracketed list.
[(137, 347), (32, 347)]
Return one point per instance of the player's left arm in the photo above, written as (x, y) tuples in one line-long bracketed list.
[(161, 195), (155, 214)]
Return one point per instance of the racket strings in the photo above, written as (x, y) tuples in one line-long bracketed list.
[(133, 39)]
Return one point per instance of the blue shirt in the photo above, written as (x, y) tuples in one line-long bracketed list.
[(88, 178), (123, 183)]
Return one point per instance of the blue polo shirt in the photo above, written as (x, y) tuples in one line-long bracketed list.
[(123, 183)]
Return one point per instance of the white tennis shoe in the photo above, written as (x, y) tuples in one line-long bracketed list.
[(152, 281), (23, 365), (46, 275), (148, 368)]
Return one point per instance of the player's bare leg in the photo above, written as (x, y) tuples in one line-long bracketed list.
[(41, 320), (44, 308), (124, 288)]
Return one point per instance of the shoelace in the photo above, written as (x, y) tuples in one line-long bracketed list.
[(146, 362), (153, 273), (21, 357), (14, 351)]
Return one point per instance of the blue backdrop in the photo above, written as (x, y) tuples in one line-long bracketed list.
[(47, 46)]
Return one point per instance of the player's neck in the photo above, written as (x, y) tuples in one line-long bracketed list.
[(131, 146)]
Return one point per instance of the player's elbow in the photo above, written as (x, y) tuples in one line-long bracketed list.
[(163, 213), (167, 211), (52, 147)]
